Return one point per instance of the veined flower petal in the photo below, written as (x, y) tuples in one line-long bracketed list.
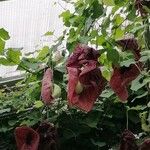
[(48, 136), (47, 87), (123, 76), (83, 68), (128, 141), (26, 138)]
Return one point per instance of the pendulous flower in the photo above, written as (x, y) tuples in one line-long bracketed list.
[(128, 141), (132, 45), (47, 87), (145, 145), (123, 76), (48, 136), (85, 82), (44, 137), (26, 138)]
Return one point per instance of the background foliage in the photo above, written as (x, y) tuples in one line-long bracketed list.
[(98, 23)]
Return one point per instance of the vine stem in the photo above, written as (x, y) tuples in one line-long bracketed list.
[(47, 112), (147, 45), (127, 118)]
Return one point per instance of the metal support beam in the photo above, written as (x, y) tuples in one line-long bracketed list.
[(10, 81), (3, 0)]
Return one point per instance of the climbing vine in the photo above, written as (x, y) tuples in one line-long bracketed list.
[(92, 84)]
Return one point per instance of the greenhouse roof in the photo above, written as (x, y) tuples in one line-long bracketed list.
[(27, 30)]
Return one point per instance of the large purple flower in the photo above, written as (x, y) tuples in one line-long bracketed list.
[(145, 145), (45, 137), (48, 137), (132, 45), (128, 141), (26, 138), (122, 76), (85, 79)]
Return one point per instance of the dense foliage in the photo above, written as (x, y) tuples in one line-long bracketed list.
[(99, 24)]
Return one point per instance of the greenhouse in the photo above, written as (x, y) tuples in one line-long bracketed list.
[(74, 75)]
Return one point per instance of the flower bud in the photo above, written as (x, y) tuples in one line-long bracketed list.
[(56, 91)]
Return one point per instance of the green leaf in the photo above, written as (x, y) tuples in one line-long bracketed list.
[(88, 24), (2, 46), (13, 56), (4, 34), (98, 143), (97, 10), (77, 20), (92, 120), (113, 56), (128, 62), (106, 22), (38, 104), (66, 15), (132, 14), (30, 64), (119, 34), (84, 39), (133, 116), (140, 96), (49, 33), (144, 58), (103, 57), (109, 2), (120, 2), (5, 110), (100, 40), (68, 134), (106, 74), (118, 19), (148, 105), (144, 120), (107, 93), (137, 84), (138, 27), (94, 33), (146, 9), (43, 53), (12, 122), (114, 9), (5, 62), (72, 36), (138, 107)]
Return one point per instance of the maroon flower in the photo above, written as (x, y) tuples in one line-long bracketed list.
[(128, 141), (26, 138), (85, 79), (145, 145), (48, 137), (122, 76), (116, 84), (47, 87), (132, 45), (81, 55)]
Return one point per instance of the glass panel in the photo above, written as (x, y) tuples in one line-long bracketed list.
[(26, 21)]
